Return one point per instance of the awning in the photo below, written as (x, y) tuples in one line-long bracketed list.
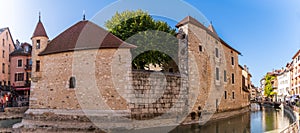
[(23, 89)]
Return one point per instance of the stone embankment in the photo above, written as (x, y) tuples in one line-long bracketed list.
[(294, 113), (13, 113)]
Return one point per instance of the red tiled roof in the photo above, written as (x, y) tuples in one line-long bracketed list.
[(39, 30), (296, 54), (84, 35)]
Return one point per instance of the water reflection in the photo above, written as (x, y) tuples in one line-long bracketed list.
[(9, 123), (238, 124), (273, 119), (268, 119)]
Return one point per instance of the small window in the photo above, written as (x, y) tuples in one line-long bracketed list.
[(3, 68), (26, 49), (232, 61), (38, 44), (225, 76), (225, 94), (232, 78), (232, 95), (3, 54), (30, 61), (20, 63), (19, 76), (200, 48), (217, 74), (72, 82), (6, 35), (3, 42), (38, 67), (217, 52)]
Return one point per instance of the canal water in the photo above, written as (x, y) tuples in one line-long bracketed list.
[(9, 123), (267, 120)]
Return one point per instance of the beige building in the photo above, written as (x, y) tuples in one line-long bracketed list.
[(295, 74), (6, 47)]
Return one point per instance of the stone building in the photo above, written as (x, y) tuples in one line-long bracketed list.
[(72, 74), (20, 69), (84, 74), (7, 46), (220, 77), (246, 84)]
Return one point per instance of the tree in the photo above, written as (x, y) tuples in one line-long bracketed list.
[(155, 40), (268, 90)]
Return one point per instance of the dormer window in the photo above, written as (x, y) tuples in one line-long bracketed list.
[(26, 49), (38, 44)]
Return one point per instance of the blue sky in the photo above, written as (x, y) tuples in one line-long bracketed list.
[(266, 32)]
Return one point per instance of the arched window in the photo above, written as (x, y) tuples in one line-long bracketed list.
[(72, 82)]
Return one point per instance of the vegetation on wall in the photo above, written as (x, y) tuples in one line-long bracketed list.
[(269, 90)]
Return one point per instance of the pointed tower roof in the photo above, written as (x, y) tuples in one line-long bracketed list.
[(39, 29), (211, 28)]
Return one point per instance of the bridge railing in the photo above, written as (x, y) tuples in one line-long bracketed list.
[(294, 127)]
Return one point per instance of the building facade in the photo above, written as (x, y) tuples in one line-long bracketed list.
[(7, 46), (284, 85), (20, 69), (295, 73), (216, 62), (86, 68)]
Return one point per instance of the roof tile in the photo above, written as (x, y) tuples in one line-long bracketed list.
[(84, 35), (39, 30)]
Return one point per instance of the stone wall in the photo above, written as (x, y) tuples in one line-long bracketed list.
[(94, 83), (154, 94), (214, 92)]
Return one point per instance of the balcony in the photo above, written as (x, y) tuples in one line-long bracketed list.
[(28, 67), (27, 83)]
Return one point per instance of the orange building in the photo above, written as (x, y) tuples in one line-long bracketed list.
[(6, 47)]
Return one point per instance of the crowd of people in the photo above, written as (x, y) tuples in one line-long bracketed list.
[(8, 99)]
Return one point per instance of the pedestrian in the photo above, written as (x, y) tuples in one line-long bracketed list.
[(2, 104)]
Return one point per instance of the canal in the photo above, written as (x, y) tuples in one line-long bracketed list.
[(267, 120)]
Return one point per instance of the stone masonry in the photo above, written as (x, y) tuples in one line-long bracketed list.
[(97, 86)]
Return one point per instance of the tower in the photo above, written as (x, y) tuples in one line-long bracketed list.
[(39, 43)]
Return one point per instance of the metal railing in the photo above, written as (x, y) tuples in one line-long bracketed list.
[(294, 127)]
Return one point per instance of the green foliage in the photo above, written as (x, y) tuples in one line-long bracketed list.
[(155, 40), (268, 90), (297, 104)]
